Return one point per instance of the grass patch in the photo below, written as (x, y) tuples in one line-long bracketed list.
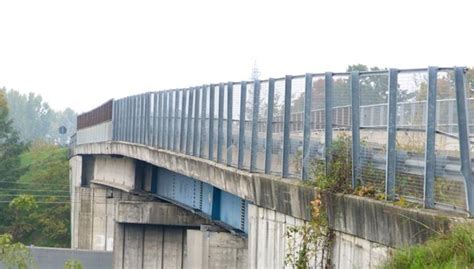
[(453, 249)]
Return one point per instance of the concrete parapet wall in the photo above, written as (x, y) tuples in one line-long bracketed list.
[(96, 133), (382, 222), (286, 196)]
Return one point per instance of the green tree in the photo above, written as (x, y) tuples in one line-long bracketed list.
[(47, 171), (35, 119), (14, 255), (10, 150), (23, 217)]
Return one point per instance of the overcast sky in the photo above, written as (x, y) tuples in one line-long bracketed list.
[(78, 54)]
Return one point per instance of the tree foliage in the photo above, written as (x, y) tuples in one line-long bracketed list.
[(35, 119), (34, 186), (14, 255)]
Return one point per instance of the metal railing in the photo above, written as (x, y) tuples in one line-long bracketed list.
[(409, 129)]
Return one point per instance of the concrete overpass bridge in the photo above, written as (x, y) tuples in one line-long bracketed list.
[(211, 176)]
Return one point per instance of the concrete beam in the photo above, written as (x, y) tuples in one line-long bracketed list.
[(286, 196), (157, 213)]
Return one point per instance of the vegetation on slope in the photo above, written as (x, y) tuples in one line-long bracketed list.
[(454, 249)]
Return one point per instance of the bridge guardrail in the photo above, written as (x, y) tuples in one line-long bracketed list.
[(408, 130)]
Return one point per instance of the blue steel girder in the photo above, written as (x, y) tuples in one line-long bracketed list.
[(204, 199)]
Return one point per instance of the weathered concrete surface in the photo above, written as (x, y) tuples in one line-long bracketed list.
[(286, 196), (267, 242), (148, 246), (115, 172), (157, 213), (208, 249), (353, 252), (99, 132), (382, 222), (93, 215)]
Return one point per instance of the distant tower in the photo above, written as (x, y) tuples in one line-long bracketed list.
[(255, 72)]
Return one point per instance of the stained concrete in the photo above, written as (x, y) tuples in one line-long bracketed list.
[(283, 195), (99, 132), (267, 240), (93, 216), (148, 246), (117, 172), (208, 249), (382, 222), (157, 213)]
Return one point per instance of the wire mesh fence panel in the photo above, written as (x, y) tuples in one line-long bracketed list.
[(224, 125), (248, 125), (340, 150), (262, 126), (317, 125), (449, 189), (277, 122), (296, 127), (177, 115), (186, 120), (197, 114), (216, 121), (236, 93), (411, 135), (373, 129), (205, 106)]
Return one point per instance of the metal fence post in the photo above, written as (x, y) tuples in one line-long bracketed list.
[(243, 102), (176, 120), (430, 157), (306, 125), (211, 121), (286, 127), (220, 123), (203, 121), (196, 137), (182, 134), (328, 91), (189, 129), (392, 134), (255, 112), (355, 118), (269, 138), (229, 122), (463, 121)]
